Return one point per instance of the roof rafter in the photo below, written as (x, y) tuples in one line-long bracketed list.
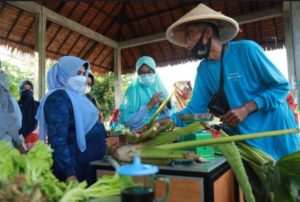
[(259, 15), (96, 58), (156, 13), (152, 30), (173, 19), (65, 22), (60, 27), (2, 7), (94, 46), (141, 49), (14, 22), (244, 19), (121, 14), (244, 26), (90, 23), (105, 57), (81, 51), (57, 10), (80, 19), (28, 30)]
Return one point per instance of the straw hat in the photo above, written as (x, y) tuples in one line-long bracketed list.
[(227, 26)]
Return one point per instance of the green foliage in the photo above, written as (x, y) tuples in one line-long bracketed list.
[(15, 77), (28, 178), (103, 91), (287, 184)]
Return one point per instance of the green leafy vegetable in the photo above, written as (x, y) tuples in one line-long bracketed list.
[(28, 178)]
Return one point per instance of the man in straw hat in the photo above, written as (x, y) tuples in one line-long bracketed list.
[(235, 81)]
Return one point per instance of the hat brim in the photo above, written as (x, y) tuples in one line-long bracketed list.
[(228, 28)]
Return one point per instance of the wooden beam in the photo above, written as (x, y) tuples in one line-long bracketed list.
[(118, 80), (65, 22), (143, 40), (292, 41), (41, 46), (259, 15)]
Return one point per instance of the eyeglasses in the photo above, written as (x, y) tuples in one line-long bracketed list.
[(81, 72)]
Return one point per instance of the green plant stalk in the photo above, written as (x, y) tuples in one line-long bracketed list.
[(130, 137), (159, 109), (148, 134), (287, 182), (261, 163), (170, 136), (232, 155), (154, 153), (168, 127), (220, 140)]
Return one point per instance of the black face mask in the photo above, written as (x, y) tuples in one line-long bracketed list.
[(201, 51), (26, 94)]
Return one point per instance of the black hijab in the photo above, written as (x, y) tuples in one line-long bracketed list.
[(28, 108)]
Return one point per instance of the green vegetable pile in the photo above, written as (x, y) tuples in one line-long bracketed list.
[(29, 178)]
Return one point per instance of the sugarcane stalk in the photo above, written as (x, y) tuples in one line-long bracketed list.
[(167, 127), (170, 136), (127, 152), (148, 134), (161, 107), (220, 140), (154, 153), (261, 163)]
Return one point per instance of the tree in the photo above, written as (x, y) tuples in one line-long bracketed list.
[(103, 91), (126, 80), (15, 77)]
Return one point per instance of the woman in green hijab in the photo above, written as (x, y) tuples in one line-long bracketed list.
[(143, 96)]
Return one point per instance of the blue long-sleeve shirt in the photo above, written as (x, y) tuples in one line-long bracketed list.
[(249, 75), (68, 159)]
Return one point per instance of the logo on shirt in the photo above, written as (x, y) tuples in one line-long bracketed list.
[(234, 76)]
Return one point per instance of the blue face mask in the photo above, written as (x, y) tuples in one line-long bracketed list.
[(147, 79)]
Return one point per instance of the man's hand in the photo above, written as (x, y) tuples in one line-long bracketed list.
[(157, 98), (235, 116)]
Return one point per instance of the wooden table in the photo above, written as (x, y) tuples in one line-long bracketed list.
[(210, 182)]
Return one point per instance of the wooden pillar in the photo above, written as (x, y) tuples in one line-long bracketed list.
[(292, 43), (118, 80), (40, 47)]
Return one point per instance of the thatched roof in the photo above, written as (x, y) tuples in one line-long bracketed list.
[(126, 20)]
